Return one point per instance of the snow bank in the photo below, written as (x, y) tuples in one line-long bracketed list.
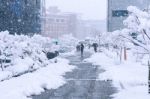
[(67, 43), (49, 77), (29, 71), (25, 54), (68, 53), (130, 78)]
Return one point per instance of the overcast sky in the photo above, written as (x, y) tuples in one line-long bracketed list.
[(90, 9)]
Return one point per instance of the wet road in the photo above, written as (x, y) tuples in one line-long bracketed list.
[(82, 83)]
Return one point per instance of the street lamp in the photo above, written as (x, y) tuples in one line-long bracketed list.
[(99, 36)]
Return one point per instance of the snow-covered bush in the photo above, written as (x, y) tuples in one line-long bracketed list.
[(25, 53), (67, 43)]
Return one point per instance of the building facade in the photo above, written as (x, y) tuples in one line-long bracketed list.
[(20, 16), (117, 12), (90, 28), (56, 24)]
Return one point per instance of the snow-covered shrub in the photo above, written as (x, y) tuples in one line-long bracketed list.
[(67, 43), (26, 53)]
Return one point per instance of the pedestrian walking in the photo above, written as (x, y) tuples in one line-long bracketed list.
[(78, 48), (95, 45), (82, 48)]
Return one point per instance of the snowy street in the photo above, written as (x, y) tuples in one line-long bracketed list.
[(34, 83), (82, 83), (74, 49), (129, 77)]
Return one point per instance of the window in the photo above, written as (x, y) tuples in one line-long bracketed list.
[(50, 20), (36, 2), (62, 20), (57, 20), (26, 2), (119, 13)]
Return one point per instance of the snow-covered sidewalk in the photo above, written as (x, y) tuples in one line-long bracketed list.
[(49, 77), (129, 77)]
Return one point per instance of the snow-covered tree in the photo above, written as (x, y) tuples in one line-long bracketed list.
[(138, 28), (137, 31), (25, 53)]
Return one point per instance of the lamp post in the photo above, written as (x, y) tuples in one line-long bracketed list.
[(148, 77), (99, 41)]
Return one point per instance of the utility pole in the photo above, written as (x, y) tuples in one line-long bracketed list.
[(99, 43), (149, 77)]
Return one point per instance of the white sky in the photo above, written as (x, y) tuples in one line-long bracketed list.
[(89, 9)]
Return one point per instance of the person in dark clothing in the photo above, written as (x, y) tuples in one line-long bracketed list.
[(78, 48), (82, 48), (95, 45)]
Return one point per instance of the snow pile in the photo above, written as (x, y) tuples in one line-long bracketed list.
[(130, 78), (67, 43), (49, 77), (25, 54), (68, 53)]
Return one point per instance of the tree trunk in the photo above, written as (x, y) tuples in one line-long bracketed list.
[(125, 53)]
